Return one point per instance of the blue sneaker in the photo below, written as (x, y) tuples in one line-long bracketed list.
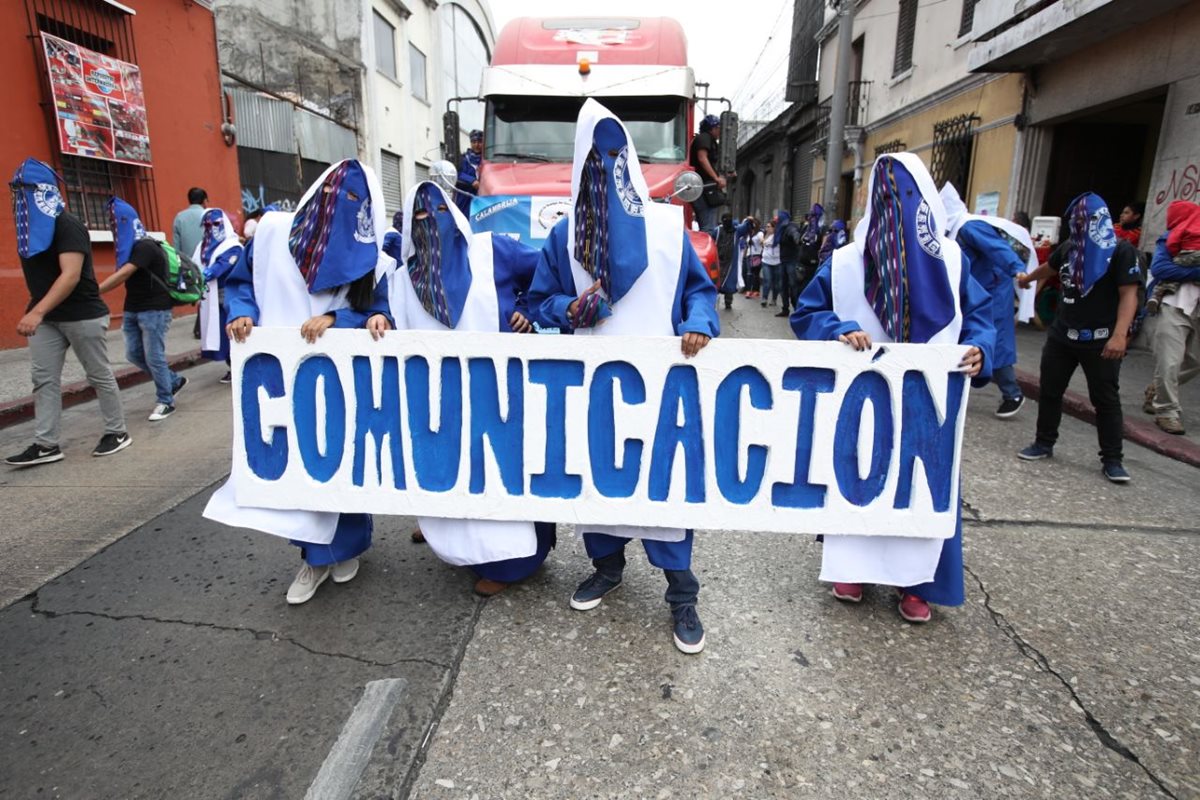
[(1115, 472), (1036, 452), (592, 591), (689, 633)]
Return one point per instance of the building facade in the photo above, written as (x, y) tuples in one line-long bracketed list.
[(1114, 104), (163, 136), (911, 89)]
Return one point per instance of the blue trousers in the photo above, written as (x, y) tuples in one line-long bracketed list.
[(1006, 379), (146, 349), (673, 558), (351, 538)]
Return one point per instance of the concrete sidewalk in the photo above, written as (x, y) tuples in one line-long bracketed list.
[(16, 401)]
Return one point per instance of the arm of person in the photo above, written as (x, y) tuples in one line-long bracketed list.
[(552, 290), (350, 317), (985, 243), (814, 319), (221, 268), (978, 331), (70, 268), (696, 303), (176, 231), (118, 278), (519, 262), (1164, 268), (707, 168), (239, 297)]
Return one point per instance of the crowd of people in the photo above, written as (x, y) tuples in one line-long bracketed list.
[(918, 269)]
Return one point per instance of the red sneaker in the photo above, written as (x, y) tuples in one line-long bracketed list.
[(848, 592), (914, 609)]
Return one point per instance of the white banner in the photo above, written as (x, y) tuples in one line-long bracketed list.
[(769, 435)]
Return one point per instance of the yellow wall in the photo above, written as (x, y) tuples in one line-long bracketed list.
[(992, 155)]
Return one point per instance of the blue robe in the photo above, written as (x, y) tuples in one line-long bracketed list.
[(994, 264), (468, 173), (352, 537), (815, 320), (693, 310)]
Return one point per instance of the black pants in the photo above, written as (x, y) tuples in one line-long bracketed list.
[(1059, 360)]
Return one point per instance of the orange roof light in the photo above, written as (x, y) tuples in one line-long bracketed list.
[(585, 66)]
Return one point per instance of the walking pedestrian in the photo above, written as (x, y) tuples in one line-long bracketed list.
[(753, 259), (313, 269), (1100, 277), (64, 312), (900, 280), (449, 279), (788, 238), (621, 259), (1177, 334), (187, 230), (218, 254), (771, 273), (142, 268)]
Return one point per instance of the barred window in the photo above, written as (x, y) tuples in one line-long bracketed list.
[(894, 146), (968, 17), (953, 140), (906, 32)]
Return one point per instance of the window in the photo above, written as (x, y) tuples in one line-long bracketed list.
[(385, 46), (91, 181), (952, 142), (968, 17), (906, 32), (464, 57), (389, 173), (416, 69), (894, 146)]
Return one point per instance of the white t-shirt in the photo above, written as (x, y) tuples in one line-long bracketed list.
[(770, 252), (1185, 297), (755, 247)]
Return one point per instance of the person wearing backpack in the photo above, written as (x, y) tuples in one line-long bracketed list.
[(142, 268)]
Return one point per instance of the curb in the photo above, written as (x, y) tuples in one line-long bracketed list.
[(81, 391), (1137, 431)]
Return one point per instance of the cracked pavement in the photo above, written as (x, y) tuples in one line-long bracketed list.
[(164, 661)]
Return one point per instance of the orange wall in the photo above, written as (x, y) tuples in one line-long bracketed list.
[(177, 52)]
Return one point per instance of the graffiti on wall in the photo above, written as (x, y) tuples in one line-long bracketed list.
[(1182, 185), (253, 201)]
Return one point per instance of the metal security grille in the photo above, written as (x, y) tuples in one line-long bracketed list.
[(106, 29), (802, 168), (422, 171), (393, 192), (894, 146), (968, 17), (906, 33), (952, 142)]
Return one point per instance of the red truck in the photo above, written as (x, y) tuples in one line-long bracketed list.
[(542, 71)]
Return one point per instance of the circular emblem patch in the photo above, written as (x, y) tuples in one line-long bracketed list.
[(364, 229), (926, 235), (629, 197), (47, 199), (139, 230), (1100, 229)]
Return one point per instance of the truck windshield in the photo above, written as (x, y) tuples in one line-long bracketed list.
[(543, 128)]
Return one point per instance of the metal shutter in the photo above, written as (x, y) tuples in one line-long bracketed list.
[(422, 171), (393, 191), (968, 17), (802, 164)]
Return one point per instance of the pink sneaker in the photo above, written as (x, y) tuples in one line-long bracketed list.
[(848, 592), (914, 609)]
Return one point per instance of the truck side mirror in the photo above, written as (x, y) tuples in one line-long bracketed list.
[(727, 162), (450, 137)]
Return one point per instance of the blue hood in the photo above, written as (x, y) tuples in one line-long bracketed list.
[(37, 204)]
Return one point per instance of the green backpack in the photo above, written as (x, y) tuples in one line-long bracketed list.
[(185, 280)]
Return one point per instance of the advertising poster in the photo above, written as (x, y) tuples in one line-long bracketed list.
[(98, 103)]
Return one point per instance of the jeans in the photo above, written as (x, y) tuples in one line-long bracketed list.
[(1005, 379), (47, 352), (706, 216), (769, 290), (1059, 361), (146, 349), (789, 283), (608, 557), (1176, 357)]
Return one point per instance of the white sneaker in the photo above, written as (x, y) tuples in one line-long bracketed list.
[(306, 583), (161, 411), (344, 571)]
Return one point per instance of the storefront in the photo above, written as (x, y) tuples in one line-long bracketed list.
[(120, 98)]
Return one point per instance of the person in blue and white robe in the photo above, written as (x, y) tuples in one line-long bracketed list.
[(312, 270), (467, 185), (621, 265), (901, 280), (449, 279), (988, 243), (731, 245), (218, 253)]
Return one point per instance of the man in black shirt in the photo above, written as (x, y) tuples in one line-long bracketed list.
[(148, 304), (703, 158), (65, 311), (1100, 276)]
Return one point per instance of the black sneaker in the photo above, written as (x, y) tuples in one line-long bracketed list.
[(1036, 452), (33, 455), (1115, 472), (179, 386), (689, 633), (1009, 407), (592, 591), (112, 443), (226, 378)]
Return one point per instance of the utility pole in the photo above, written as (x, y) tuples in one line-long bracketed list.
[(837, 110)]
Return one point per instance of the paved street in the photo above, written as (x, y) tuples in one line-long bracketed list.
[(149, 653)]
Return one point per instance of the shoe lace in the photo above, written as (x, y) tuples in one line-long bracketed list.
[(595, 581), (687, 617)]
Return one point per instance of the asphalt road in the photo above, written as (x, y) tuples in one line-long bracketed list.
[(163, 661)]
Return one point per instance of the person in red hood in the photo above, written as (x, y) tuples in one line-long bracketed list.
[(1183, 245)]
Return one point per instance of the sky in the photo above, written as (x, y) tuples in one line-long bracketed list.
[(742, 51)]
